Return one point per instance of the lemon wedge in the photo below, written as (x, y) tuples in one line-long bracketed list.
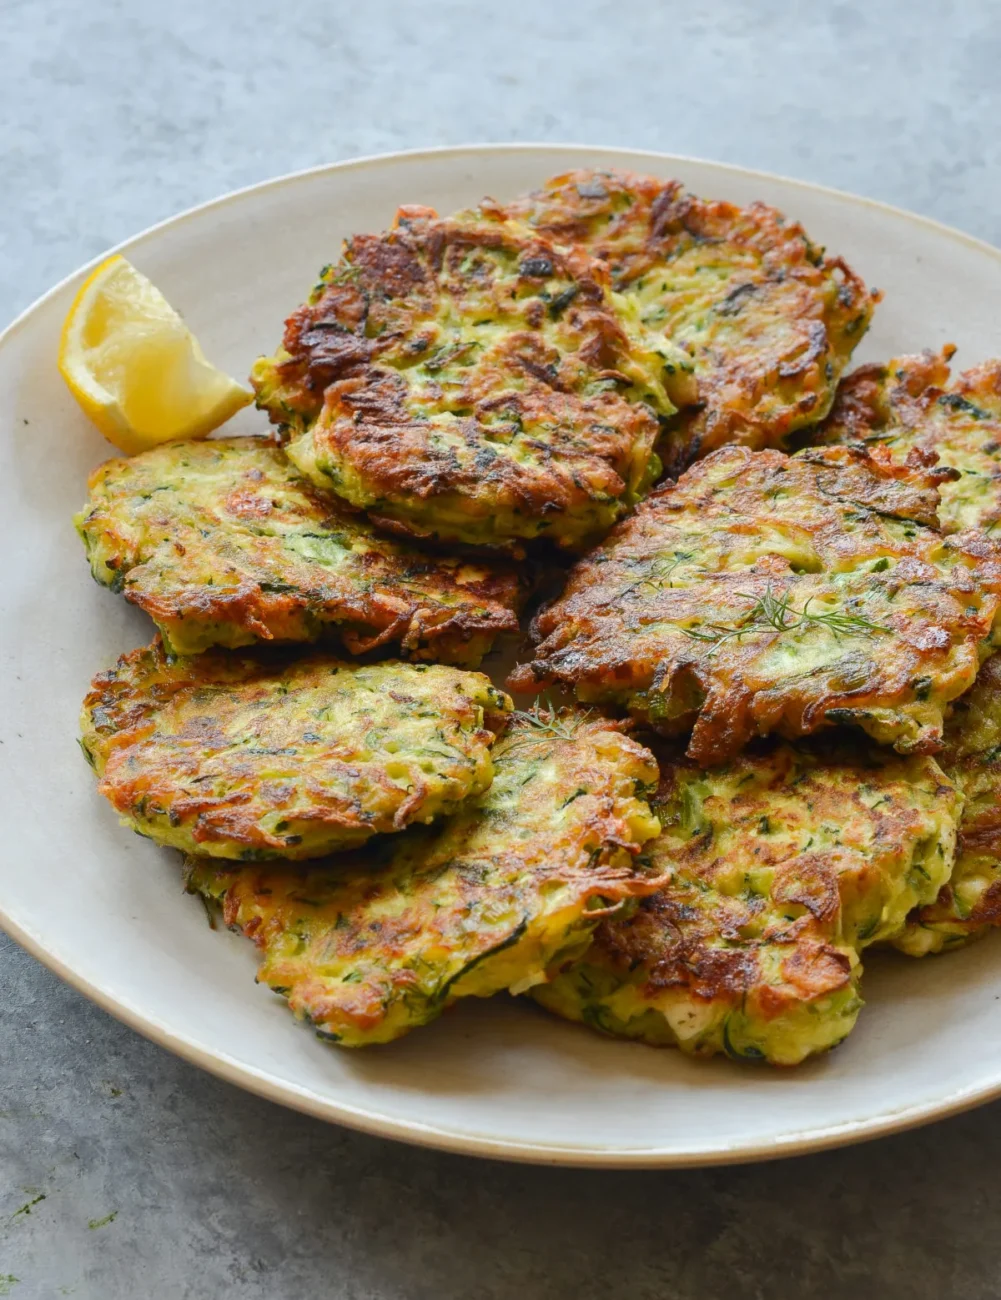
[(136, 368)]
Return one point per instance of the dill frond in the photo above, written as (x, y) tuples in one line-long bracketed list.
[(775, 613), (659, 574), (547, 720)]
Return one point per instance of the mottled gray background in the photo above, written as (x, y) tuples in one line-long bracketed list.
[(115, 115)]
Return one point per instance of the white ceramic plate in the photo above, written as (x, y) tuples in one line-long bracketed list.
[(104, 908)]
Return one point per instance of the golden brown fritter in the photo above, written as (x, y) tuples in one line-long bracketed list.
[(258, 756), (367, 947), (771, 593), (909, 408), (223, 543), (970, 903), (461, 379), (781, 867), (768, 321)]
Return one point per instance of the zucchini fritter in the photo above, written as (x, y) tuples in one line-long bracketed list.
[(369, 946), (771, 593), (461, 379), (782, 866), (970, 903), (768, 321), (248, 757), (222, 543), (909, 408)]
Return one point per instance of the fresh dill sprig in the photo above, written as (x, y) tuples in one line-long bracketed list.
[(771, 612), (660, 572), (545, 720), (842, 624)]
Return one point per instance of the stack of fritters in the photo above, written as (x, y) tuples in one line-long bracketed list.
[(491, 863), (801, 639), (909, 412), (513, 885), (464, 379)]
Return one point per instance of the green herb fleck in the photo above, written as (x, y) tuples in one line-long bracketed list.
[(958, 403), (26, 1208)]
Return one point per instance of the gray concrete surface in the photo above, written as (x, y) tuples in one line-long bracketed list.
[(126, 1174)]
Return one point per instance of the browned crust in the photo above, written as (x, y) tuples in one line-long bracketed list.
[(676, 950), (346, 350), (712, 933), (977, 770), (864, 397), (986, 913), (764, 383), (228, 753), (907, 386), (160, 551), (532, 861), (616, 635), (908, 409)]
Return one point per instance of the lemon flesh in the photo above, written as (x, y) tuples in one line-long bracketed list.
[(134, 366)]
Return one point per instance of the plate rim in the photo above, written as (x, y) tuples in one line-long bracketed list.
[(415, 1132)]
